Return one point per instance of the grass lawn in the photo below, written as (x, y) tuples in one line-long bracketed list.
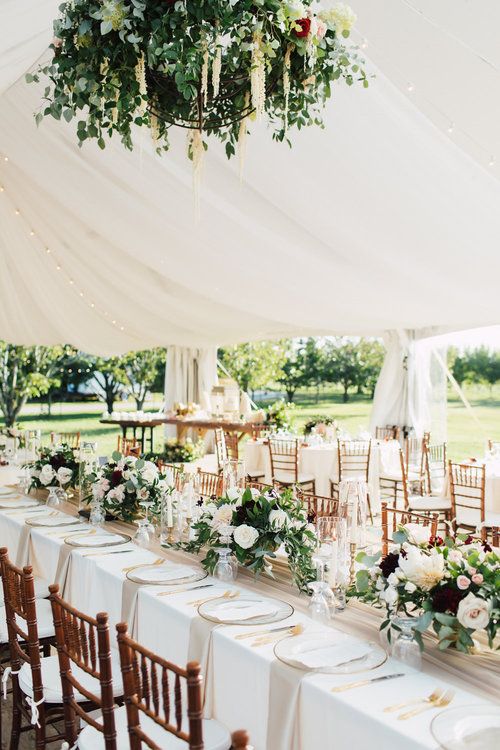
[(465, 436)]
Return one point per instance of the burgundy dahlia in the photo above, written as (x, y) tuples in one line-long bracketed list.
[(116, 478), (446, 599), (389, 564), (305, 27)]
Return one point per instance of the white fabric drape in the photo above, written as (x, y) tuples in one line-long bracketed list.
[(411, 390), (366, 226), (189, 376)]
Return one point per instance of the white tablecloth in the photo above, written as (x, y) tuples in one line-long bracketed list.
[(244, 684)]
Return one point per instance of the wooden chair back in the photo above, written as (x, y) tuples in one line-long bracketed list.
[(178, 472), (258, 431), (493, 536), (389, 432), (210, 485), (434, 466), (261, 486), (284, 455), (128, 446), (354, 458), (232, 445), (22, 628), (392, 518), (167, 694), (467, 489), (220, 447), (67, 438), (414, 453), (84, 641), (319, 505)]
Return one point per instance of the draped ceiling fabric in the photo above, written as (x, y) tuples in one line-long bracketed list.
[(384, 220)]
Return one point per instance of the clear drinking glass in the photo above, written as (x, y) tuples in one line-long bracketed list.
[(97, 515), (319, 607), (53, 499), (405, 647), (332, 551), (141, 536), (146, 504), (224, 568)]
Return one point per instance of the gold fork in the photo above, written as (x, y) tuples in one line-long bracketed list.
[(292, 630), (434, 696), (158, 561), (442, 702), (69, 532), (226, 595)]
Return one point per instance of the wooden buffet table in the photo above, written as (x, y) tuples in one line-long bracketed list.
[(136, 424)]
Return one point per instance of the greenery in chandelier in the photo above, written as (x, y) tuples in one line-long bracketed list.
[(205, 65)]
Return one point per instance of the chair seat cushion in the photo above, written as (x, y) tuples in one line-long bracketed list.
[(255, 473), (428, 502), (471, 518), (215, 736), (288, 477), (43, 616), (51, 679), (396, 476), (41, 589)]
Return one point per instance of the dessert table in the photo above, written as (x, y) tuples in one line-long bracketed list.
[(283, 708)]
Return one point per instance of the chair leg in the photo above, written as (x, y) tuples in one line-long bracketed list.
[(369, 507), (15, 731)]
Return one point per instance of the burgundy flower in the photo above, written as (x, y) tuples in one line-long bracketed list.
[(436, 541), (487, 547), (389, 564), (56, 461), (305, 27), (446, 599), (116, 478), (469, 540)]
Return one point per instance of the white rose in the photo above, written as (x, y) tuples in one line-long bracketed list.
[(222, 516), (149, 472), (455, 556), (64, 475), (389, 596), (233, 493), (245, 536), (473, 612), (410, 587), (143, 493), (47, 474), (422, 569), (277, 519), (417, 533), (341, 16), (393, 580)]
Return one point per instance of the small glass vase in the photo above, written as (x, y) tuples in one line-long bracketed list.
[(53, 500), (405, 646), (226, 568)]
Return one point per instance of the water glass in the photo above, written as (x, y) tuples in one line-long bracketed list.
[(53, 500), (405, 647), (225, 568), (319, 608), (141, 536)]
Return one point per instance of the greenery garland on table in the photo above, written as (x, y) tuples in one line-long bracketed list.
[(57, 466), (450, 584), (205, 65), (254, 525)]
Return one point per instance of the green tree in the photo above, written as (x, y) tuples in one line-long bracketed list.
[(109, 379), (483, 366), (342, 364), (255, 364), (294, 371), (25, 372), (371, 355), (141, 372), (314, 365)]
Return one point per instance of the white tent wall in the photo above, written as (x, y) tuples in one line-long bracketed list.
[(189, 376)]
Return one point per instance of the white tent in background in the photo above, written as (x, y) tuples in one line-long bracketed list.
[(386, 220)]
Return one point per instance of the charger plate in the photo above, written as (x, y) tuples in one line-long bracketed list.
[(214, 610), (97, 540), (167, 573), (468, 728), (308, 650), (18, 502), (53, 521)]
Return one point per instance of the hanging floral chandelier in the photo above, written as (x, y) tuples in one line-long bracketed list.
[(209, 66)]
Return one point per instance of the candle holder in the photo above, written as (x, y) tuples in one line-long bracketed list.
[(170, 535), (186, 531), (353, 549)]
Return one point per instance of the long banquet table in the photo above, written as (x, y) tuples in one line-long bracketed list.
[(246, 687)]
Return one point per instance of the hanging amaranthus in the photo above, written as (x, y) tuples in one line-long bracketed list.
[(242, 136), (154, 127), (196, 152), (286, 83), (258, 76), (217, 66), (204, 74), (140, 74)]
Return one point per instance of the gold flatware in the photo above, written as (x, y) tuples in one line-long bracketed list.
[(434, 696), (183, 590), (158, 561), (64, 532), (256, 633), (226, 595), (110, 552), (361, 683), (442, 702), (291, 631)]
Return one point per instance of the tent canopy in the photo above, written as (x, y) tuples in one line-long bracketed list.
[(383, 220)]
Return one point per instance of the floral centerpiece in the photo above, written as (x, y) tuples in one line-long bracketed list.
[(277, 414), (320, 423), (205, 65), (125, 482), (175, 452), (57, 466), (450, 584), (254, 525)]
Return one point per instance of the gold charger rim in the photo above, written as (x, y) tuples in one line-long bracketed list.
[(70, 540), (331, 670), (175, 582), (251, 622)]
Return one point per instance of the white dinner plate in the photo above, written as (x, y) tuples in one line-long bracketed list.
[(18, 502), (468, 728), (329, 651), (245, 610), (100, 539), (167, 573), (49, 521)]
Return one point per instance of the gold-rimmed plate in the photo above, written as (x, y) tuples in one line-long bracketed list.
[(99, 539), (245, 610), (329, 651), (468, 728), (17, 502), (166, 574), (49, 521)]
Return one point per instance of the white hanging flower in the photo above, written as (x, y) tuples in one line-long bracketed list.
[(140, 74), (258, 76), (286, 83), (217, 67), (204, 73)]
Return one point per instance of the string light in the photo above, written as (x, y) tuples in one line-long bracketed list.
[(57, 264), (491, 162), (410, 87), (451, 127)]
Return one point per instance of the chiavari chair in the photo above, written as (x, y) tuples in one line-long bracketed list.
[(30, 633), (319, 505), (493, 536), (389, 432), (468, 497), (232, 445), (423, 504), (164, 701), (258, 431), (227, 449), (391, 481), (128, 446), (284, 455), (262, 487), (65, 438), (220, 448), (177, 471), (434, 467), (87, 679), (393, 517), (210, 485), (353, 458)]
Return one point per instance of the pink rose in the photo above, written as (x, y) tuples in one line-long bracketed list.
[(477, 578), (320, 28), (463, 582)]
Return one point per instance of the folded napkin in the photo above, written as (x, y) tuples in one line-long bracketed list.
[(329, 655), (244, 610), (166, 572), (97, 540)]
